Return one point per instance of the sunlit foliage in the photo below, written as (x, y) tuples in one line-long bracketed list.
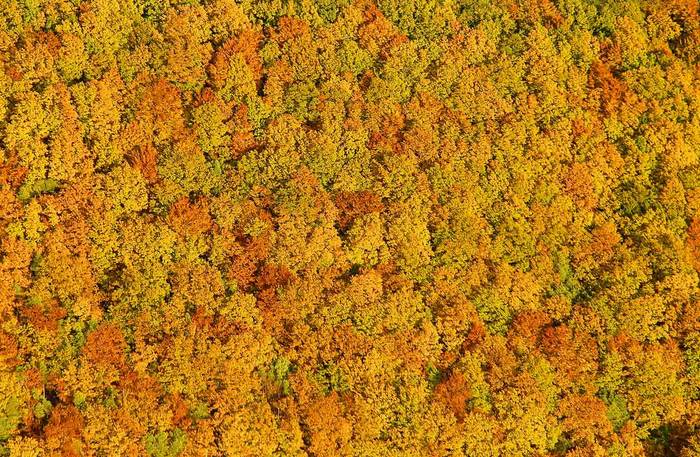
[(349, 228)]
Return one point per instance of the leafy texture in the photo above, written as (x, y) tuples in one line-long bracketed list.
[(350, 228)]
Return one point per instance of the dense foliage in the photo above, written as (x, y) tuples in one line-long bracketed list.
[(341, 227)]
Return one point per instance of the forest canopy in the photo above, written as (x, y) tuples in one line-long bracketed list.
[(349, 228)]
